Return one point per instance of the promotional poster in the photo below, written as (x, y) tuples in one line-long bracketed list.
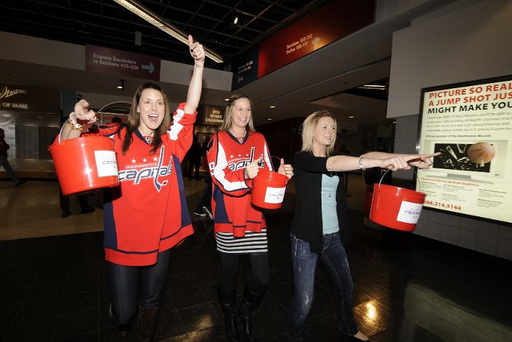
[(471, 125)]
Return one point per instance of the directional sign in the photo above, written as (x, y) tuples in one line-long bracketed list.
[(110, 61)]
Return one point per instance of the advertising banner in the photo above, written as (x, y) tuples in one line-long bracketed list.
[(329, 23), (471, 125)]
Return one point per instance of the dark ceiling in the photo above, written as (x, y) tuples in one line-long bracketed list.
[(105, 23)]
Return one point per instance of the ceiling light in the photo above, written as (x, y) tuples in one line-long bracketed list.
[(269, 119), (351, 116), (157, 21), (121, 84), (235, 21), (374, 86), (272, 107)]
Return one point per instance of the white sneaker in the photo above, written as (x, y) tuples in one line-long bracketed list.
[(205, 210)]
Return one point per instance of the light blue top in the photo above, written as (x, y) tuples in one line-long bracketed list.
[(329, 213)]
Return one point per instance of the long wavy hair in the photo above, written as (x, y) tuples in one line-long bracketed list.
[(133, 121), (308, 130), (228, 117)]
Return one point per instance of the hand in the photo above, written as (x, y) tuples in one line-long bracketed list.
[(252, 170), (404, 162), (196, 50), (83, 114), (285, 169), (424, 161)]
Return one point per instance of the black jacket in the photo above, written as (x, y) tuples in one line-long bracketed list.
[(307, 221)]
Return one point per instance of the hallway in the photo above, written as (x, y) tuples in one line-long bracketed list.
[(407, 288)]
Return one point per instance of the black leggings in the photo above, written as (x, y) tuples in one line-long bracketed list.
[(258, 281), (134, 285)]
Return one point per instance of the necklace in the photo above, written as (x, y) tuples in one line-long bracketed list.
[(239, 138)]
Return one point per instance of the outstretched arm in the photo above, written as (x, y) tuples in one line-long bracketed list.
[(194, 89), (391, 161)]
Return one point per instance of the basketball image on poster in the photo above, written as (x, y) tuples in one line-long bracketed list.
[(475, 160), (481, 153), (463, 156)]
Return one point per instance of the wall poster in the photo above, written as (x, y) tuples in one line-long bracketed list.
[(471, 125)]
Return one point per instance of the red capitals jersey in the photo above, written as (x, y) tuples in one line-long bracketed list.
[(148, 213), (231, 199)]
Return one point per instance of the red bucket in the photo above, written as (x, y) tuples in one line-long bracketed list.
[(395, 207), (85, 163), (268, 190)]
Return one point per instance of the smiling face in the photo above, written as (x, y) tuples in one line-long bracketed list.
[(241, 113), (324, 134), (151, 109)]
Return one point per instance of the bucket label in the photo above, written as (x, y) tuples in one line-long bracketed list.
[(106, 163), (274, 195), (409, 212)]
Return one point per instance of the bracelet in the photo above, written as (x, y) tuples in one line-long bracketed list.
[(72, 122), (361, 163)]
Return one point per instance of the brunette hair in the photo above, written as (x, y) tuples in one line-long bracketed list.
[(133, 121)]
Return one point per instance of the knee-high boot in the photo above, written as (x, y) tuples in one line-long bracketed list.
[(146, 324), (250, 302), (123, 329), (227, 301)]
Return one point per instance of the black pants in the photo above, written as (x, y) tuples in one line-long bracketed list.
[(258, 281), (82, 200), (130, 285), (193, 165)]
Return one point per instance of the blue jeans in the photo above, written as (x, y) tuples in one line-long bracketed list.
[(130, 284), (304, 264)]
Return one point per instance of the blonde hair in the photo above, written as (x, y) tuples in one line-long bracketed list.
[(308, 130), (226, 124)]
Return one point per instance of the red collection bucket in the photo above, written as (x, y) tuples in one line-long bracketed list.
[(268, 190), (395, 207), (85, 163)]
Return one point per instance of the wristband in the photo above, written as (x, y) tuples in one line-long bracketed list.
[(72, 122), (361, 163)]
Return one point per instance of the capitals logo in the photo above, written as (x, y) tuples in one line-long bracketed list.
[(239, 163), (152, 170)]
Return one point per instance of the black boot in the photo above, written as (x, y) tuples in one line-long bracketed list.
[(228, 304), (123, 329), (249, 303), (146, 324)]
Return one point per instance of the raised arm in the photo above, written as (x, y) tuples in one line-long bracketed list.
[(194, 89)]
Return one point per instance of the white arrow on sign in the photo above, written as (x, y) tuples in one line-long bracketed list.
[(150, 67)]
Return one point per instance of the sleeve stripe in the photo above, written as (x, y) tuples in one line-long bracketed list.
[(220, 175)]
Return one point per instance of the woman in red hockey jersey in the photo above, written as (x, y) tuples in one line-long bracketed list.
[(147, 214), (235, 156)]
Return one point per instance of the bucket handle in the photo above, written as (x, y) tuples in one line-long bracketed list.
[(276, 157), (60, 130), (385, 172)]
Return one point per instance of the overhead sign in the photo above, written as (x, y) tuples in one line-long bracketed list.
[(245, 68), (110, 61), (329, 23)]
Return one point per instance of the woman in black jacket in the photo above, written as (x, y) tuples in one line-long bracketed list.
[(321, 216)]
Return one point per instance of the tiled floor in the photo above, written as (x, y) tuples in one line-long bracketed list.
[(407, 288)]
